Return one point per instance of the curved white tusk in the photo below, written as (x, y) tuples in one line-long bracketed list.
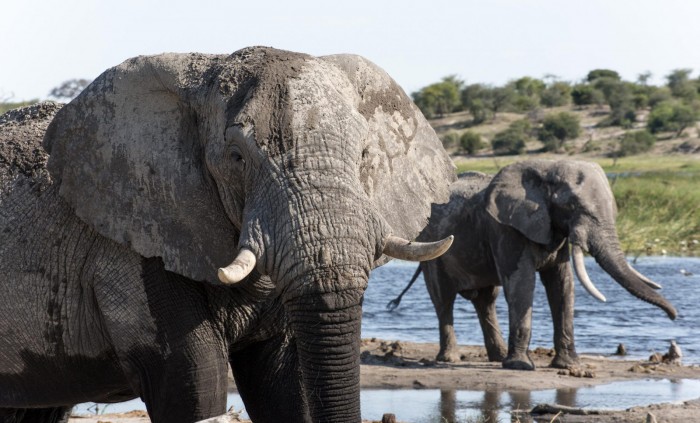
[(415, 251), (242, 265), (646, 280), (582, 276)]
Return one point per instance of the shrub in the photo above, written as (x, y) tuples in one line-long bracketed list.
[(635, 142), (557, 128), (671, 116), (584, 95), (471, 142), (602, 73), (450, 140), (557, 94), (513, 139)]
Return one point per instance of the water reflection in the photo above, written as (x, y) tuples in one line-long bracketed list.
[(453, 406)]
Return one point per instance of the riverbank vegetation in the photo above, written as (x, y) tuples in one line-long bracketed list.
[(645, 137)]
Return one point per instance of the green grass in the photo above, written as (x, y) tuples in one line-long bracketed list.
[(658, 199)]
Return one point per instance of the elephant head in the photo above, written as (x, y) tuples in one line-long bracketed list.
[(308, 170), (548, 201)]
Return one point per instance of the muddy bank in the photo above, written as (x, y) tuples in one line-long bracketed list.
[(408, 365)]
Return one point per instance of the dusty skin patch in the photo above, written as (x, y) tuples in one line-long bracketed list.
[(409, 365)]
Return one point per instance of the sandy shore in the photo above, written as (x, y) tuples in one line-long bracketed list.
[(407, 365)]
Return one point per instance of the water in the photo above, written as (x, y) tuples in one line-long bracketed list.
[(599, 327), (434, 405)]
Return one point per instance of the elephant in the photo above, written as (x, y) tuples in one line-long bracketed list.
[(161, 171), (530, 217)]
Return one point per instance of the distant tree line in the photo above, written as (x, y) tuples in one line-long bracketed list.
[(672, 107)]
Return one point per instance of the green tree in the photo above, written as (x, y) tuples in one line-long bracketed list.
[(671, 116), (618, 95), (513, 139), (556, 94), (500, 98), (471, 142), (440, 98), (476, 99), (602, 73), (635, 142), (680, 84), (586, 94), (527, 92), (478, 111), (557, 128)]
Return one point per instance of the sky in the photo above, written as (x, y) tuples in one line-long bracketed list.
[(46, 42)]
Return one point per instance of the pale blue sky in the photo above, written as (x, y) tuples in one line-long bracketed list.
[(43, 43)]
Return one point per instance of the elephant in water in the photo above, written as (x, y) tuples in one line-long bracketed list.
[(507, 227), (161, 172)]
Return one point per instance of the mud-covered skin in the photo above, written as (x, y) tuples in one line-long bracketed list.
[(86, 319), (163, 169), (507, 228)]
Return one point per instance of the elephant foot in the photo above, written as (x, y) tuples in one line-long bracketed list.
[(496, 354), (448, 356), (564, 361), (518, 362)]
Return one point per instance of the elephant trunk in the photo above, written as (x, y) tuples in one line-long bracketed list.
[(327, 331), (605, 248)]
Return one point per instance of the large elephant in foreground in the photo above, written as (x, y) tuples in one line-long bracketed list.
[(515, 224), (309, 171)]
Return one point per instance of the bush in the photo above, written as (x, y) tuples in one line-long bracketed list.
[(635, 143), (450, 140), (513, 139), (557, 128), (584, 95), (556, 94), (478, 111), (671, 116), (471, 142), (602, 73)]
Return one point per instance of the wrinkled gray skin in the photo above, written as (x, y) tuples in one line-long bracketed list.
[(507, 228), (163, 168)]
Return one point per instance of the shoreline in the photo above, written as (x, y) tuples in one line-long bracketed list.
[(402, 365)]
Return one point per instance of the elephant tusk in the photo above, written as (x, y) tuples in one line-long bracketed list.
[(644, 279), (415, 251), (242, 265), (580, 269)]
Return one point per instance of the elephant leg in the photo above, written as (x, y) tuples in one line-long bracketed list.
[(518, 281), (269, 380), (485, 305), (443, 294), (188, 387), (559, 283), (35, 415)]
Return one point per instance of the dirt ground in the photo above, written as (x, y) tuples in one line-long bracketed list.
[(407, 365)]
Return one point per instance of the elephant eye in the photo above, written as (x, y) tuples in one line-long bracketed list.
[(237, 157)]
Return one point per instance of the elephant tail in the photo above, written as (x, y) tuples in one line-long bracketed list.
[(391, 305)]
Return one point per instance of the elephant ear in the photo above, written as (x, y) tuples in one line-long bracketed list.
[(128, 155), (517, 196), (404, 168)]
